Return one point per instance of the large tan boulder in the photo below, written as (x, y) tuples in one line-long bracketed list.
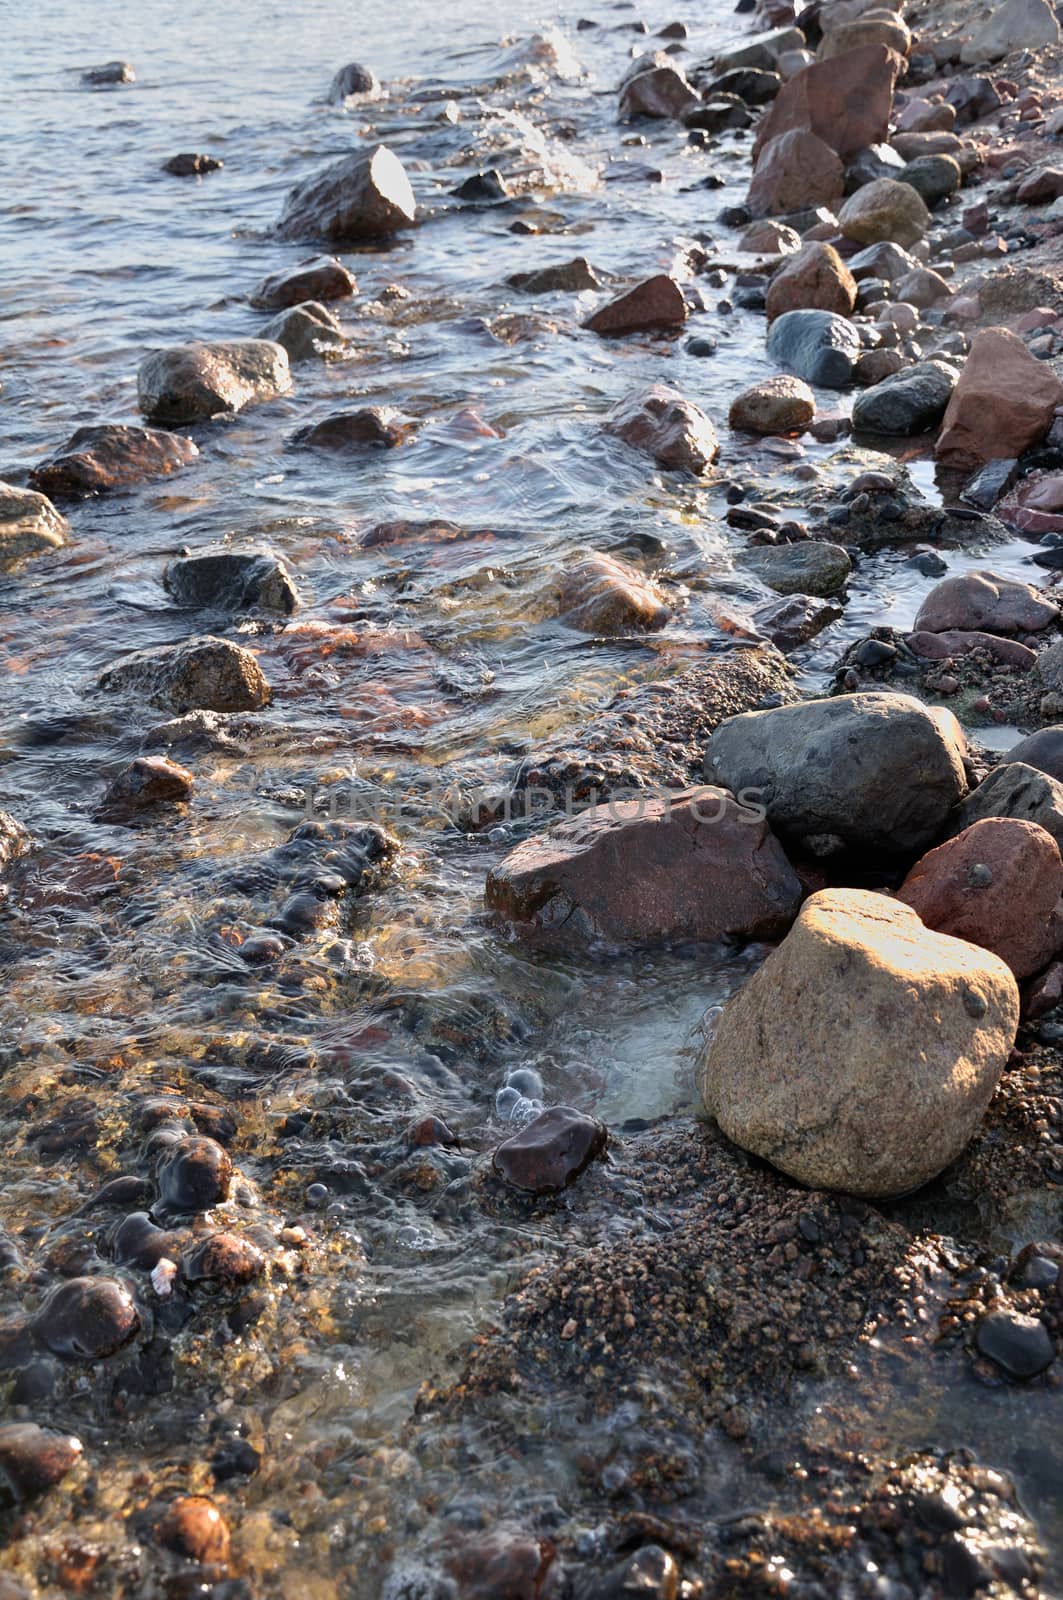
[(1003, 404), (846, 101), (863, 1054), (794, 172)]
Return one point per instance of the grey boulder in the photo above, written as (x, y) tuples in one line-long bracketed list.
[(307, 332), (232, 580), (911, 401), (364, 196)]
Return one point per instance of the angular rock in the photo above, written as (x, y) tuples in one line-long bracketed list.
[(1003, 404), (658, 92), (875, 29), (307, 332), (1020, 1345), (551, 1152), (761, 51), (867, 166), (97, 459), (846, 101), (364, 196), (751, 84), (716, 115), (795, 171), (317, 278), (769, 238), (371, 427), (34, 1459), (911, 402), (232, 580), (147, 781), (815, 345), (1041, 187), (29, 525), (926, 116), (564, 277), (922, 288), (884, 210), (809, 567), (602, 595), (1015, 25), (885, 260), (796, 619), (875, 366), (815, 279), (656, 303), (14, 840), (193, 382), (986, 602), (663, 424), (1016, 790), (483, 188), (87, 1319), (353, 82), (206, 674), (774, 405)]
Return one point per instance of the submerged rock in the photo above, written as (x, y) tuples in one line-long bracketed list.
[(233, 580), (190, 164), (656, 303), (109, 75), (307, 332), (808, 567), (14, 840), (371, 427), (206, 674), (659, 91), (193, 1527), (668, 427), (913, 400), (1003, 404), (774, 405), (884, 210), (29, 525), (194, 382), (317, 278), (984, 601), (563, 277), (816, 346), (603, 595), (87, 1319), (193, 1175), (365, 196), (34, 1459), (147, 781), (551, 1152), (97, 459)]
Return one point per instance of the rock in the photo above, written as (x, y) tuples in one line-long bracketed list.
[(1016, 790), (815, 279), (922, 288), (867, 166), (875, 366), (815, 345), (885, 260), (307, 332), (656, 303), (697, 865), (551, 1152), (933, 178), (372, 427), (366, 195), (109, 75), (998, 884), (1034, 506), (193, 1527), (913, 146), (953, 642), (926, 116), (882, 210), (29, 525), (86, 1319), (1041, 187), (663, 424), (483, 188), (657, 92), (912, 401), (602, 595), (985, 602), (34, 1459), (881, 29), (194, 382), (1015, 25), (809, 567), (147, 781), (990, 482), (223, 1258), (191, 165), (718, 114), (14, 840), (774, 405), (205, 674), (318, 278), (193, 1175), (751, 84), (762, 50), (770, 238), (232, 580), (1020, 1345), (98, 459), (1043, 750), (846, 101), (564, 277), (353, 82), (796, 619), (795, 171), (870, 771), (1003, 404), (864, 1052)]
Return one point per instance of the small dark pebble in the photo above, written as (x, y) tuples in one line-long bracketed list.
[(551, 1152)]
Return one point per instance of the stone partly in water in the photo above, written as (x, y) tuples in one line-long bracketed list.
[(87, 1319), (912, 401), (353, 82), (551, 1152), (564, 277), (29, 525), (148, 781), (659, 91), (603, 595), (655, 304), (317, 278), (308, 332), (1016, 790), (846, 102), (984, 602), (194, 1174), (871, 771), (864, 1052), (795, 172), (1018, 1344), (665, 425), (233, 580), (1015, 25), (774, 405), (815, 345), (815, 279), (808, 567), (96, 460), (206, 674), (192, 164), (193, 1527), (14, 840), (1003, 404), (33, 1459), (370, 427), (364, 196), (884, 210), (109, 75), (194, 382)]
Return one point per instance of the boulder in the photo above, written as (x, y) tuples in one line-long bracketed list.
[(110, 456), (922, 288), (109, 75), (369, 428), (663, 424), (986, 602), (998, 884), (695, 865), (602, 595), (956, 642), (913, 146), (815, 279), (29, 525), (879, 29), (1041, 187), (815, 345), (193, 382), (1015, 25), (564, 277), (1016, 790), (846, 101), (317, 278), (658, 92), (871, 771), (751, 84), (774, 405), (353, 82), (232, 580), (1002, 406), (794, 172), (206, 674), (864, 1052), (769, 238), (1043, 750), (366, 195), (306, 332), (910, 402), (655, 304), (1018, 1344), (883, 210), (32, 1460), (809, 567), (795, 619), (544, 1158), (933, 178)]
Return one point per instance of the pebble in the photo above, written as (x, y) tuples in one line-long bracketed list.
[(33, 1459), (551, 1152), (193, 1527)]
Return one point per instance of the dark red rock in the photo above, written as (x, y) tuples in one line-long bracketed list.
[(984, 602), (86, 1319), (223, 1258), (551, 1152), (194, 1174), (429, 1131), (846, 101), (940, 646), (111, 456), (33, 1459), (193, 1527), (147, 781), (137, 1242), (319, 278), (502, 1566), (655, 304)]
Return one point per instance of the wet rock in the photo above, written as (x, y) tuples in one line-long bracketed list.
[(650, 1574), (147, 781), (364, 196), (1016, 790), (875, 366), (564, 277), (109, 75), (190, 164), (96, 460), (317, 278), (869, 771), (223, 1258), (846, 101), (137, 1242), (34, 1459), (954, 642), (658, 92), (815, 279), (14, 840), (884, 260), (770, 238), (912, 401), (751, 84), (989, 483), (307, 332), (1043, 750), (933, 178), (602, 595), (884, 210), (551, 1152), (353, 82), (922, 288), (233, 580), (193, 1527), (809, 567), (986, 602), (1034, 507), (815, 345), (194, 382), (87, 1319), (663, 424), (503, 1566), (827, 1063), (1003, 404), (699, 865), (1015, 25), (483, 188), (194, 1174), (205, 674), (656, 303), (235, 1459), (774, 405), (795, 620), (29, 525), (795, 171), (1020, 1345)]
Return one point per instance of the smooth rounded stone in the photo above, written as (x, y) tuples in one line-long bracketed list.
[(603, 595), (192, 164), (87, 1319), (984, 602), (1015, 25), (364, 196), (194, 382), (846, 102), (1043, 750), (563, 277), (353, 82), (1016, 790), (308, 332), (137, 1242), (317, 278), (193, 1527), (223, 1258), (817, 346), (147, 781), (874, 366), (235, 1459), (204, 674), (870, 771), (772, 406), (34, 1459), (793, 172), (912, 401), (29, 525), (878, 28), (864, 1052), (551, 1152), (110, 74), (698, 865), (923, 288), (1003, 405), (370, 427), (998, 884), (665, 425), (108, 456), (911, 146), (233, 580), (933, 178), (194, 1174), (1018, 1344), (659, 91), (925, 116), (656, 303), (809, 567), (884, 210), (884, 260), (815, 279), (751, 84), (769, 238)]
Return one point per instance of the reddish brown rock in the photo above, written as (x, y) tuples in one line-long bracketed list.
[(660, 91), (656, 303), (147, 781), (1035, 505), (940, 646), (193, 1527), (98, 459), (795, 171), (317, 278), (551, 1152), (815, 279), (846, 101), (603, 595), (668, 427), (986, 603), (1003, 404), (86, 1319), (34, 1459), (502, 1566), (997, 884), (875, 28), (223, 1258), (770, 238)]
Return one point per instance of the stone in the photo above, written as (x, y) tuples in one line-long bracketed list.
[(846, 101), (986, 602), (600, 594), (147, 781), (871, 772), (817, 346), (193, 1527), (955, 642), (774, 405), (867, 166), (109, 75), (87, 1319), (194, 382), (665, 425), (863, 1054), (791, 62), (998, 884), (762, 50), (14, 840), (1016, 790), (815, 279), (655, 304), (1040, 187), (808, 567), (876, 29), (318, 278), (353, 82), (29, 526), (564, 277), (232, 580), (884, 260), (98, 459), (223, 1258), (698, 864), (658, 92), (884, 210), (371, 427), (922, 288), (306, 332), (364, 196), (34, 1459), (751, 84), (194, 1174), (874, 366), (1015, 25), (933, 178), (990, 482), (795, 171), (769, 238), (1043, 750), (483, 188), (551, 1152), (190, 164), (925, 116), (913, 146), (1002, 406), (1018, 1344), (795, 619), (723, 111), (911, 402), (204, 674)]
